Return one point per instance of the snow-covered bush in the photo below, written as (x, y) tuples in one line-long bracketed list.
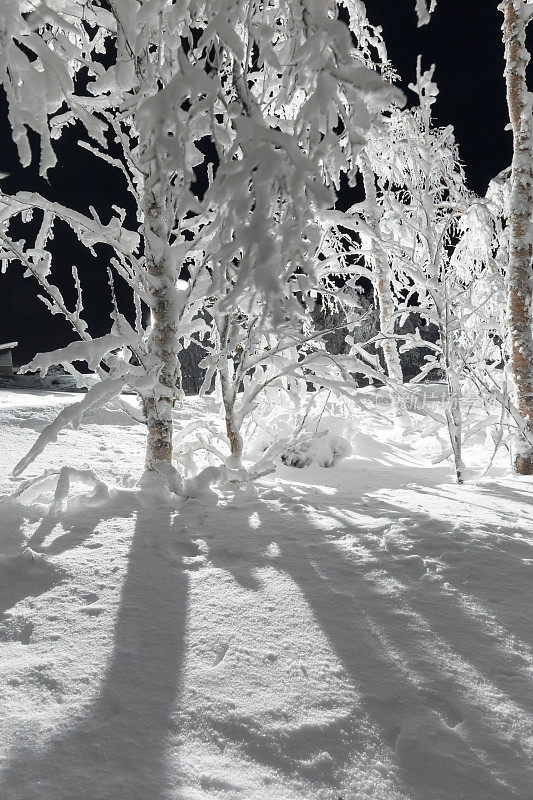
[(323, 449)]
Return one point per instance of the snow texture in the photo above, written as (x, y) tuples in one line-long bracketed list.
[(360, 632)]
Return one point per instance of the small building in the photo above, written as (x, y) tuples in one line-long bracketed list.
[(6, 358)]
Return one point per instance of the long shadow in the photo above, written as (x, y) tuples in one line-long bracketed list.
[(408, 711), (472, 608), (79, 524), (446, 612), (415, 701), (329, 593), (506, 492), (22, 576), (452, 497), (505, 555), (116, 748)]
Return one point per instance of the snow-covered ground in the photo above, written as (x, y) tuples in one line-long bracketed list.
[(358, 632)]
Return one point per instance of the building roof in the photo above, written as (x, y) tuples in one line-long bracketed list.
[(8, 346)]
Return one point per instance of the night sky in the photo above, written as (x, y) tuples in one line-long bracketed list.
[(463, 40)]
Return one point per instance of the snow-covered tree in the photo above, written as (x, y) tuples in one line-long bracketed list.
[(482, 257), (257, 362), (268, 101), (517, 14), (422, 195), (381, 279)]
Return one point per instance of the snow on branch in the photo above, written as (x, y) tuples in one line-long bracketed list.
[(96, 396), (424, 10)]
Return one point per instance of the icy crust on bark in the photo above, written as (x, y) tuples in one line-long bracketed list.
[(522, 8)]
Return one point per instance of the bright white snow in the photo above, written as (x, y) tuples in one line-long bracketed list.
[(358, 632)]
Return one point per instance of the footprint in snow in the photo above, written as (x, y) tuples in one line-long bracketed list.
[(220, 653), (442, 707), (17, 629), (92, 611), (210, 783), (391, 735), (270, 657), (90, 597), (412, 567), (193, 553), (299, 668)]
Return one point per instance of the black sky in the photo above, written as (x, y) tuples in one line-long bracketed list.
[(463, 40)]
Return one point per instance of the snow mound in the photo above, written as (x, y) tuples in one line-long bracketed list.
[(323, 449)]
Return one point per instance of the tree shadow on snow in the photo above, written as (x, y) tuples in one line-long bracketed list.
[(447, 696), (116, 748), (441, 688), (21, 575), (502, 550)]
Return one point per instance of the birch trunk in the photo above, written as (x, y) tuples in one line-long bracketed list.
[(160, 283), (382, 287), (519, 272), (229, 389)]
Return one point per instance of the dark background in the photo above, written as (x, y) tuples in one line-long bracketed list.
[(463, 40)]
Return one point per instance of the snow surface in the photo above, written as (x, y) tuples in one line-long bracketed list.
[(357, 632)]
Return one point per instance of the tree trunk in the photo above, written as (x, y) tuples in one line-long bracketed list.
[(454, 421), (232, 428), (519, 272), (382, 287), (161, 285), (229, 390)]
